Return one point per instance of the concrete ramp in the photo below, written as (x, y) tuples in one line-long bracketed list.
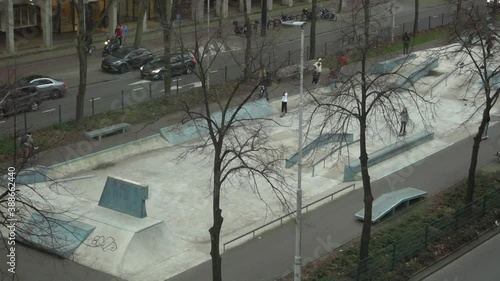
[(29, 176), (125, 196), (388, 65), (54, 233), (413, 74), (192, 130)]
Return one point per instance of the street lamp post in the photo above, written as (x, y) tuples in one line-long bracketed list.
[(298, 224)]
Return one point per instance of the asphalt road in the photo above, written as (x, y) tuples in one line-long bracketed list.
[(106, 89), (479, 264)]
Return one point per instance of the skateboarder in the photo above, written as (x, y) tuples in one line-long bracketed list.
[(404, 121), (284, 101)]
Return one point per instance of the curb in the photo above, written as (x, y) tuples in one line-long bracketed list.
[(443, 262)]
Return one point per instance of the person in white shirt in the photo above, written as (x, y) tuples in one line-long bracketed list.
[(284, 101), (317, 71)]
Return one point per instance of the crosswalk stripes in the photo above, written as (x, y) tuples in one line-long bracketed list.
[(215, 48)]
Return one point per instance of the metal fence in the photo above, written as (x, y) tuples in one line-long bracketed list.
[(382, 265), (289, 215)]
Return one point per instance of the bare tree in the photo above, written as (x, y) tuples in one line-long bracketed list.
[(248, 37), (312, 38), (478, 39), (86, 29), (234, 143), (263, 19), (364, 99), (415, 20), (166, 15), (143, 8)]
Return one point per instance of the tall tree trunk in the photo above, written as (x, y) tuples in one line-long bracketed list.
[(82, 59), (363, 158), (166, 18), (217, 222), (471, 180), (263, 19), (415, 24), (312, 38), (248, 49), (459, 9), (341, 6), (143, 7)]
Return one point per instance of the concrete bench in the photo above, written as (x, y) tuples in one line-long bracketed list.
[(118, 128), (351, 169), (388, 202)]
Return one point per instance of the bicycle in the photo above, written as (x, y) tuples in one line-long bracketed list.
[(262, 93)]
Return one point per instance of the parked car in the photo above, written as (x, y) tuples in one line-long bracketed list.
[(48, 88), (126, 59), (180, 63), (19, 99)]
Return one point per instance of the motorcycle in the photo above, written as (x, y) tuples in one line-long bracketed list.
[(111, 45)]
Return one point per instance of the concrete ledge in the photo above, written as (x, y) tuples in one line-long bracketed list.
[(321, 140), (415, 74), (193, 130), (106, 156), (351, 169), (388, 65)]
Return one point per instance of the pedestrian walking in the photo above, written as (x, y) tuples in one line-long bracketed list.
[(406, 43), (284, 102), (404, 121), (341, 62), (317, 71), (333, 78), (489, 45), (27, 145), (485, 132)]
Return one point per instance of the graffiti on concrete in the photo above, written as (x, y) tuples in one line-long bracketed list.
[(105, 243)]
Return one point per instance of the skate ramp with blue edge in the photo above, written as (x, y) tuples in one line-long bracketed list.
[(388, 65), (195, 129), (54, 233), (125, 196), (494, 82), (28, 176), (414, 74)]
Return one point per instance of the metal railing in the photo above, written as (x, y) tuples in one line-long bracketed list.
[(280, 219), (330, 154)]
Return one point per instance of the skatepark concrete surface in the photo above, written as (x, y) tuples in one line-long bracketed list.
[(174, 236)]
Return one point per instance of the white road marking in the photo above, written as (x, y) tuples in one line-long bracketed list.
[(137, 89), (140, 82), (213, 71), (2, 122), (174, 87), (98, 98), (434, 17), (397, 26), (195, 84), (48, 110)]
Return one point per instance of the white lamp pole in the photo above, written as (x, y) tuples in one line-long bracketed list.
[(298, 224), (208, 51)]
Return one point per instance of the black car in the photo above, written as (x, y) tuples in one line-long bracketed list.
[(126, 59), (19, 99), (181, 63)]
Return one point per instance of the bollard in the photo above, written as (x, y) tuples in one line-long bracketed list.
[(429, 22), (326, 47), (442, 19), (289, 57), (150, 92), (92, 106), (60, 115), (394, 248), (123, 104), (25, 123), (307, 53), (177, 83), (225, 73), (403, 28)]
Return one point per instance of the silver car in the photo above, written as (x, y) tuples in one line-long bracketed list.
[(48, 88)]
